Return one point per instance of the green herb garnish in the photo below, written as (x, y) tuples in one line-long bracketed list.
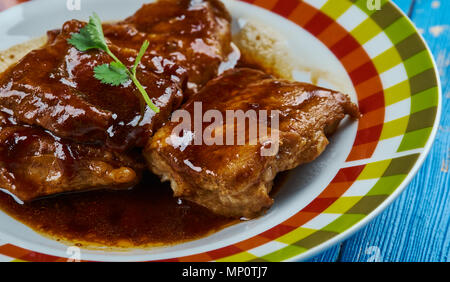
[(91, 37)]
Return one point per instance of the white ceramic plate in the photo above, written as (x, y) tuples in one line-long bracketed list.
[(376, 56)]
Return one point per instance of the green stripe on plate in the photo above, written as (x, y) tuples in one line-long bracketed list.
[(424, 100), (422, 119), (344, 222), (387, 60), (418, 63), (283, 254), (243, 256), (386, 16), (295, 235), (386, 185), (394, 128), (415, 139), (365, 31), (402, 165), (335, 9), (315, 239), (397, 93), (367, 204), (423, 81), (410, 46), (362, 4), (374, 170), (399, 30)]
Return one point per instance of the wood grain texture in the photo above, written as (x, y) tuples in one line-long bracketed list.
[(330, 255), (405, 5), (416, 227)]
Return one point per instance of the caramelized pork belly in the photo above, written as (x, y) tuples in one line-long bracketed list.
[(35, 163), (54, 87), (235, 180), (63, 130), (196, 34)]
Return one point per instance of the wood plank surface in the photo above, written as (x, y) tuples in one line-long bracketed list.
[(416, 227)]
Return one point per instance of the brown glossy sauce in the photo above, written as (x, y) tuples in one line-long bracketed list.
[(144, 216), (141, 217)]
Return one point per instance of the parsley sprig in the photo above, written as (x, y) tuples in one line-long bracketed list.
[(116, 73)]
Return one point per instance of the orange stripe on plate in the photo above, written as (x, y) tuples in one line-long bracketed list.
[(355, 59), (369, 87), (267, 4), (300, 218), (335, 189), (372, 118), (13, 251), (302, 14), (38, 257), (361, 152), (332, 34), (252, 242), (196, 258), (224, 252)]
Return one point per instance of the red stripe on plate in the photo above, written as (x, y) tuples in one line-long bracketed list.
[(368, 135), (318, 205), (345, 46), (362, 151), (277, 231), (363, 73), (348, 174), (372, 103), (27, 255), (318, 23), (224, 252), (285, 8)]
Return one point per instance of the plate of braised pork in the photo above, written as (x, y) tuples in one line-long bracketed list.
[(205, 130)]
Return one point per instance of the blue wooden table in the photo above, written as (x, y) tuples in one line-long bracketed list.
[(416, 227)]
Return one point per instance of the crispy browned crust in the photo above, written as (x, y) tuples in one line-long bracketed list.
[(236, 180)]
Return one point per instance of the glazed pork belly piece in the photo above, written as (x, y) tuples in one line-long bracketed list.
[(63, 130), (54, 87), (235, 180), (196, 34), (66, 130), (35, 163)]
